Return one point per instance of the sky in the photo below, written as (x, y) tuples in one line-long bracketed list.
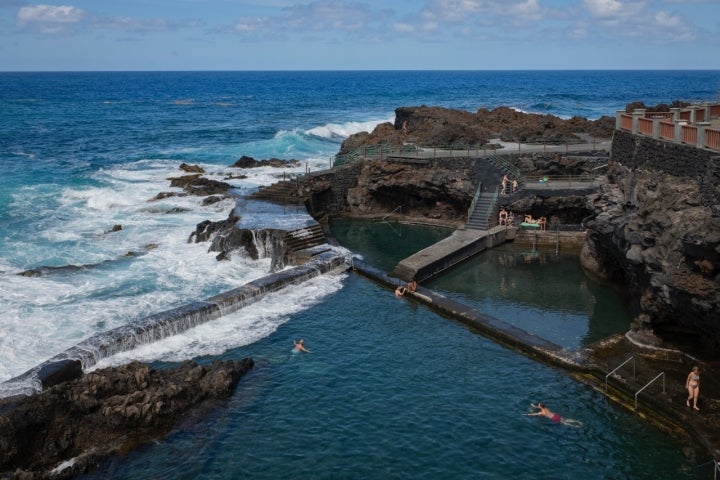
[(99, 35)]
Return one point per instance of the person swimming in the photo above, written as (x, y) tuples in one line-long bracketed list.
[(543, 411), (299, 346)]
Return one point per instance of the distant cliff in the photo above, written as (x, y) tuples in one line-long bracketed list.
[(440, 127)]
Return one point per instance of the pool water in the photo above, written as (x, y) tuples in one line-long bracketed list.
[(542, 292), (392, 390)]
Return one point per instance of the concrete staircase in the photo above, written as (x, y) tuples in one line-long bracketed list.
[(285, 192), (306, 237), (484, 215)]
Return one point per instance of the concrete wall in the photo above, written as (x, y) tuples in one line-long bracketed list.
[(566, 242)]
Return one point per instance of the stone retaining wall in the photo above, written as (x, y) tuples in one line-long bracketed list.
[(637, 151)]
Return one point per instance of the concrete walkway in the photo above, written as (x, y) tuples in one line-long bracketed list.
[(450, 251)]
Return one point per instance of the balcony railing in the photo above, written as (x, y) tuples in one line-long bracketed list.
[(698, 125)]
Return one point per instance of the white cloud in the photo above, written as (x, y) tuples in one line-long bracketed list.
[(604, 8), (49, 18), (248, 25), (329, 14)]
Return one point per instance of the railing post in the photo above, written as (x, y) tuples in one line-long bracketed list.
[(636, 114), (656, 128), (702, 134), (618, 119), (675, 113), (677, 136)]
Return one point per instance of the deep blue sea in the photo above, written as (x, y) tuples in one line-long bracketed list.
[(391, 390)]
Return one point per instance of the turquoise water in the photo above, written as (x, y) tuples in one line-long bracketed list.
[(383, 244), (541, 292), (392, 390)]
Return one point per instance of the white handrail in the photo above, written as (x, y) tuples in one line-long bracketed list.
[(661, 374), (617, 368)]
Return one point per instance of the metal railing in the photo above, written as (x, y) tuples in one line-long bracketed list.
[(661, 374), (399, 207), (715, 466), (474, 200), (534, 182), (380, 152), (618, 368), (504, 164), (491, 207)]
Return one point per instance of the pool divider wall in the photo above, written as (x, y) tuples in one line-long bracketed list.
[(65, 366), (461, 245)]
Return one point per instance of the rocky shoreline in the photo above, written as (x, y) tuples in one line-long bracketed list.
[(651, 229), (69, 428)]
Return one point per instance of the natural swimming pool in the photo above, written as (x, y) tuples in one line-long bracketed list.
[(393, 390), (541, 292)]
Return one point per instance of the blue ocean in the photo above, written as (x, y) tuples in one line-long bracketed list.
[(391, 389)]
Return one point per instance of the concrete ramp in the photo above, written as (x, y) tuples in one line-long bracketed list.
[(450, 251)]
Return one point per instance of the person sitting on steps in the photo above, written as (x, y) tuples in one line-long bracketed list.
[(503, 217)]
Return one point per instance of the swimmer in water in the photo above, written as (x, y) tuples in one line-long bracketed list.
[(545, 412), (300, 346)]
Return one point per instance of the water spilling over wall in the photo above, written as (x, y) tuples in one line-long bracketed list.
[(164, 324)]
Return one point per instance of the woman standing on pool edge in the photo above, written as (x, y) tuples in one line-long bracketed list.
[(693, 387)]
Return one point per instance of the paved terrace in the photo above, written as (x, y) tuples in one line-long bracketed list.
[(587, 144)]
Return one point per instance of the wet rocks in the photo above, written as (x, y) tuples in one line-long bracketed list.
[(105, 412), (250, 162), (225, 238)]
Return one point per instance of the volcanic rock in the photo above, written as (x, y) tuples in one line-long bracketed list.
[(67, 429), (250, 162), (442, 127)]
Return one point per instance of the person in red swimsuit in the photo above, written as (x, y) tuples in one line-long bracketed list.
[(545, 412)]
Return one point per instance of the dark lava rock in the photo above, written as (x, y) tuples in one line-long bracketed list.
[(250, 162), (106, 412), (191, 168), (200, 186), (442, 127)]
